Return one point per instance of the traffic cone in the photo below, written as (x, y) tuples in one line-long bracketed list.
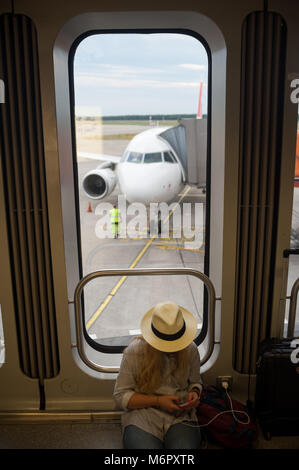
[(89, 207)]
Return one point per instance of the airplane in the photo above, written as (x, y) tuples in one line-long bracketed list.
[(150, 170)]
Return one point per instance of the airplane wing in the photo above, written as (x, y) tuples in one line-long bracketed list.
[(100, 156)]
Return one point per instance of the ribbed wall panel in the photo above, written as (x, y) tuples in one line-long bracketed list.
[(22, 157), (262, 91)]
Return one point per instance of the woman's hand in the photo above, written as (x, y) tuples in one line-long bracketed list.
[(193, 401), (168, 403)]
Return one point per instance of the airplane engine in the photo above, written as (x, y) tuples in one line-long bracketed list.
[(99, 183)]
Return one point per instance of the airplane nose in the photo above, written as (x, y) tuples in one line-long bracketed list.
[(149, 183), (150, 191)]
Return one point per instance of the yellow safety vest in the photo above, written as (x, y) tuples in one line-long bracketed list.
[(114, 216)]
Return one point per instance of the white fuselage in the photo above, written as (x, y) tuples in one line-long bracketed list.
[(141, 178)]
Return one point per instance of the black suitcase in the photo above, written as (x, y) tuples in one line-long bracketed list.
[(277, 389)]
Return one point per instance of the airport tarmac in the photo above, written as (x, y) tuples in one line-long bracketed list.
[(122, 313), (109, 310)]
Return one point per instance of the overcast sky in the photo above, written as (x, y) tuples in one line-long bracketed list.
[(119, 74)]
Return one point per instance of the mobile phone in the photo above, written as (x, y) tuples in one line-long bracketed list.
[(182, 405)]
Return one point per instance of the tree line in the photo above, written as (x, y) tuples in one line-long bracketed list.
[(138, 117)]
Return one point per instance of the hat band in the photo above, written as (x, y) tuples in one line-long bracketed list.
[(169, 337)]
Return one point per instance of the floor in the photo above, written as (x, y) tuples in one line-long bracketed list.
[(95, 436), (60, 436)]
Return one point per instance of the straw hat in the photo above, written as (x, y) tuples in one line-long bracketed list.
[(168, 327)]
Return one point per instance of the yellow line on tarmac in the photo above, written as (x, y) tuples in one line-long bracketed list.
[(117, 286), (175, 247), (176, 205), (98, 312)]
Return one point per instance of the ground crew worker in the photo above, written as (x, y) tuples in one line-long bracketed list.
[(114, 220)]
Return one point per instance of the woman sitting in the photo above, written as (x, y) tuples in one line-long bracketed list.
[(159, 383)]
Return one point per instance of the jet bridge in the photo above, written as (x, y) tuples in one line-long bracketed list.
[(189, 141)]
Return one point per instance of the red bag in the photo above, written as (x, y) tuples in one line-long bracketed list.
[(233, 430)]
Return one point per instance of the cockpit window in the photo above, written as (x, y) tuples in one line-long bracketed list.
[(124, 156), (153, 157), (134, 157), (169, 157)]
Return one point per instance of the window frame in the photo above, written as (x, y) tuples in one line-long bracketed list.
[(172, 157)]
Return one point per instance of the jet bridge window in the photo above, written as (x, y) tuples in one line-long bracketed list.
[(131, 90), (153, 157)]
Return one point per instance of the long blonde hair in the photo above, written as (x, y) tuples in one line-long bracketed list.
[(150, 365)]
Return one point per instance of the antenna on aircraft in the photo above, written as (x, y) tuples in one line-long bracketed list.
[(199, 112)]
